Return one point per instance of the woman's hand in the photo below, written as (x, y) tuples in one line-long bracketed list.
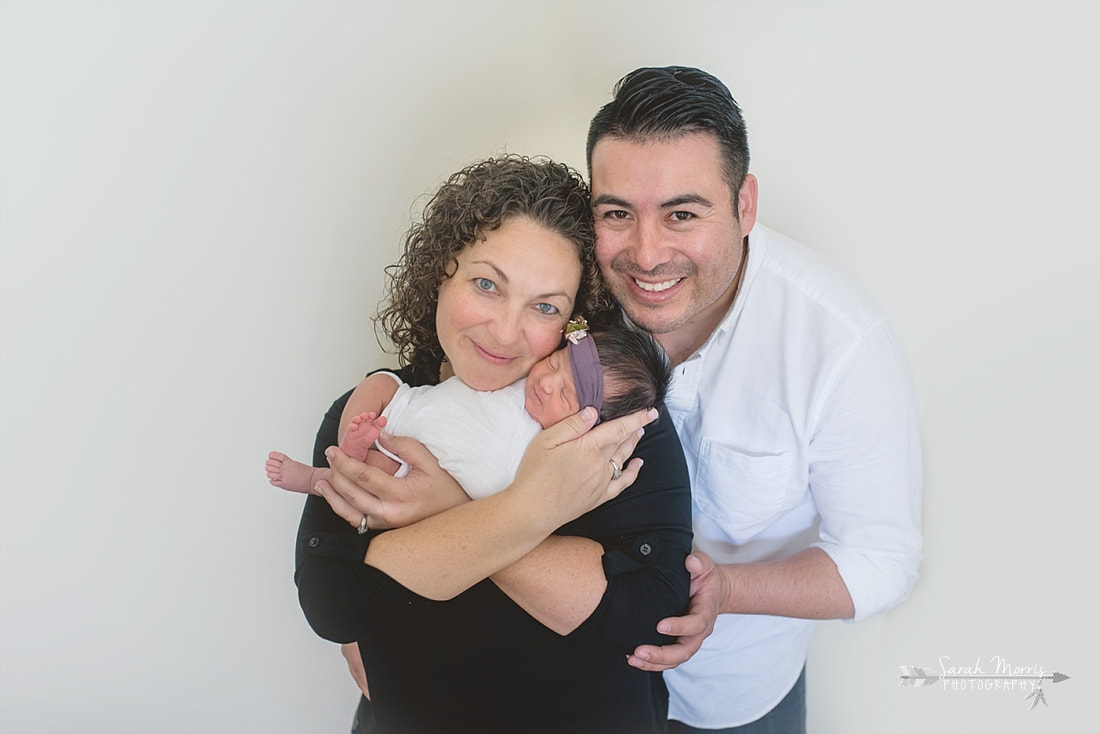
[(357, 489), (571, 467)]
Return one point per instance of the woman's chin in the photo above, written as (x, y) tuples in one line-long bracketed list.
[(488, 383)]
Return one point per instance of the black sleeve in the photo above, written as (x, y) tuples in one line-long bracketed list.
[(646, 534), (329, 552)]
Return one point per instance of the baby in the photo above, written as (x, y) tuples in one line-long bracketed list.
[(479, 437)]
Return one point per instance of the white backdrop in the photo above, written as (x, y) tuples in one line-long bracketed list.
[(196, 203)]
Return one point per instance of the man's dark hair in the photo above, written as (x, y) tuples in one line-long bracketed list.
[(664, 103), (636, 370)]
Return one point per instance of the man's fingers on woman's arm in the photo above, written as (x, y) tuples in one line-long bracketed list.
[(658, 659), (689, 631)]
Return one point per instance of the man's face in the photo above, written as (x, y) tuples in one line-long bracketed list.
[(668, 241)]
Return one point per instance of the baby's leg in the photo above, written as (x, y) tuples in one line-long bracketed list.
[(286, 473), (362, 432)]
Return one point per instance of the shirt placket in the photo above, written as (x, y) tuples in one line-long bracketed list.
[(683, 392)]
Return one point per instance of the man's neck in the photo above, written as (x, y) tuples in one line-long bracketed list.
[(682, 343), (685, 341)]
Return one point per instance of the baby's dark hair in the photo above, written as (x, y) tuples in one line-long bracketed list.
[(636, 370)]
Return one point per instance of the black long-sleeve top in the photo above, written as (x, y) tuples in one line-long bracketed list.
[(479, 662)]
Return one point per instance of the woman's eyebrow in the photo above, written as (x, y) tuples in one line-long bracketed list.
[(500, 273), (503, 278)]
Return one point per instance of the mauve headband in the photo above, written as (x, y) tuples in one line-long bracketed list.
[(585, 361)]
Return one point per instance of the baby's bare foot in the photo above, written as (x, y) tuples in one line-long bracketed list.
[(363, 431), (286, 473)]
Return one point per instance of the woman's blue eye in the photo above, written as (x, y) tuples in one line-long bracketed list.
[(484, 284), (547, 309)]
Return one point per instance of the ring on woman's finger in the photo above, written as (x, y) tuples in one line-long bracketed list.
[(618, 470), (363, 526)]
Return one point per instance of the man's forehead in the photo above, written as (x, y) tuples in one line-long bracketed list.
[(661, 173)]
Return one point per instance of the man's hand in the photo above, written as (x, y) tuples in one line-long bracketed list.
[(358, 489), (708, 589), (350, 652)]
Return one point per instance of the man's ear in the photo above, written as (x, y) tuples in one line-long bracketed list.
[(746, 203)]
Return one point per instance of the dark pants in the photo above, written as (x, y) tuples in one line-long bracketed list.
[(363, 723), (788, 717)]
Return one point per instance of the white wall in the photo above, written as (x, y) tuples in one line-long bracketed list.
[(197, 199)]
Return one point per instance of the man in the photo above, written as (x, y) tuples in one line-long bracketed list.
[(791, 395)]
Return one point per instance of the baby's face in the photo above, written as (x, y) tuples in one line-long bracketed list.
[(550, 394)]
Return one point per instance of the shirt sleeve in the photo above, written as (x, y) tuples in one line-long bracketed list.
[(646, 535), (865, 473), (329, 569)]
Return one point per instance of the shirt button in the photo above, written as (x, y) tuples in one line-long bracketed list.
[(647, 548), (314, 542)]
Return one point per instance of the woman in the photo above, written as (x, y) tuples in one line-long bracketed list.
[(512, 613)]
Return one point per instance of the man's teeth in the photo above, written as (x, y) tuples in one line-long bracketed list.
[(657, 287)]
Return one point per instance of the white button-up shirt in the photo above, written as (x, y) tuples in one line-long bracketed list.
[(798, 419)]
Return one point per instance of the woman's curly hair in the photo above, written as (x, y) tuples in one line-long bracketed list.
[(476, 200)]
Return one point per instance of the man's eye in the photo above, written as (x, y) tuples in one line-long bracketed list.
[(682, 216)]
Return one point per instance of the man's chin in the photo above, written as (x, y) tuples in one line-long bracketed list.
[(656, 319)]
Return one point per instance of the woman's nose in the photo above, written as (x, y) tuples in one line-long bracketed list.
[(505, 328)]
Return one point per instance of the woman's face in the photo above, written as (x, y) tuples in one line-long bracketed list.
[(507, 303)]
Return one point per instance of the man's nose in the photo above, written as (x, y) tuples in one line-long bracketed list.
[(649, 246)]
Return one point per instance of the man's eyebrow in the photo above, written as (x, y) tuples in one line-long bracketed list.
[(687, 199), (608, 199)]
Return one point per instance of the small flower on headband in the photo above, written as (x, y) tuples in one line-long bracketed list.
[(576, 329)]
